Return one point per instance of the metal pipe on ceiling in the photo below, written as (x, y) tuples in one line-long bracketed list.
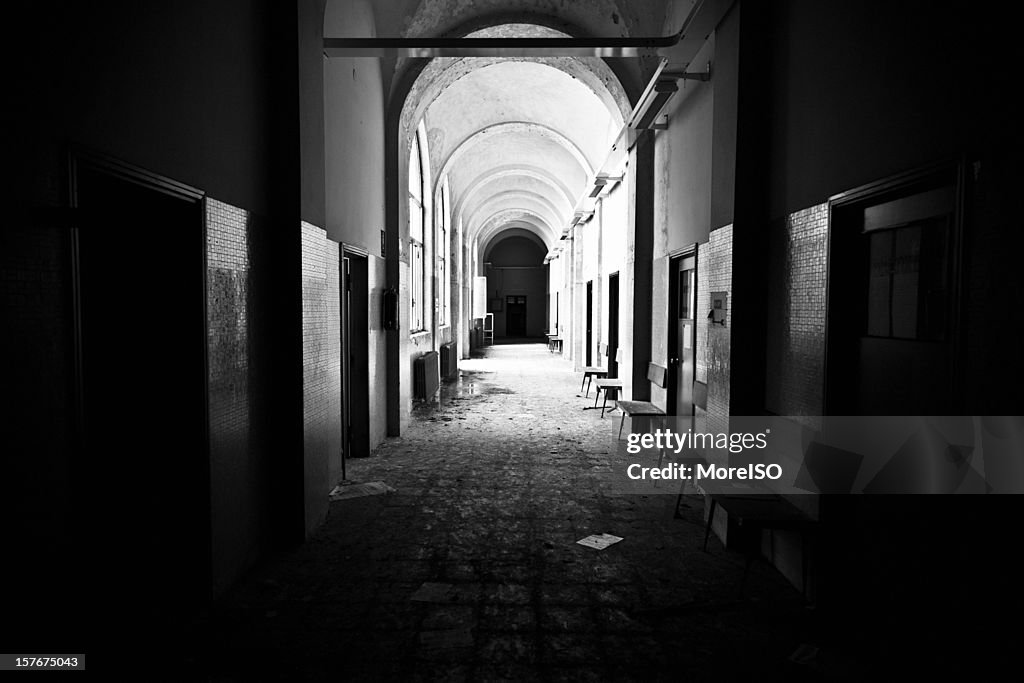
[(591, 46)]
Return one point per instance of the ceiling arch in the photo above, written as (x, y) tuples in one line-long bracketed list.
[(518, 140), (513, 149), (513, 195), (510, 231), (439, 74), (516, 218), (523, 129), (516, 173), (513, 203), (526, 92)]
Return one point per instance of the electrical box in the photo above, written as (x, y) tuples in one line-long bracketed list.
[(719, 308)]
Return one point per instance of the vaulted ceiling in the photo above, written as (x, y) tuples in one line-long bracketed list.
[(520, 139)]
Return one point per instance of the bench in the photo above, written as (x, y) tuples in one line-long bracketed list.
[(757, 512), (631, 409)]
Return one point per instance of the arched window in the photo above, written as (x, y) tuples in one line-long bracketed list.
[(417, 218)]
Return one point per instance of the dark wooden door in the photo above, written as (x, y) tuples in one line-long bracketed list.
[(142, 390), (515, 316), (682, 335), (355, 353), (590, 323), (613, 325)]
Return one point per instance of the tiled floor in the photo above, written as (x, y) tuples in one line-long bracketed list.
[(470, 569)]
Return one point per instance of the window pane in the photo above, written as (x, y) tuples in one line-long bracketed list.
[(685, 294), (879, 275), (416, 286), (933, 306), (415, 221), (906, 266), (415, 174), (442, 276)]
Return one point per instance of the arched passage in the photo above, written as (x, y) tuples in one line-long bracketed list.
[(512, 143), (517, 284)]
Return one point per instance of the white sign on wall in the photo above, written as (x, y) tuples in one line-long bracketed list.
[(480, 296)]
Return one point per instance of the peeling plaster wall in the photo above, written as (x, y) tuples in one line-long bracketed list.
[(614, 224), (354, 142), (682, 196), (682, 188), (592, 271), (354, 176)]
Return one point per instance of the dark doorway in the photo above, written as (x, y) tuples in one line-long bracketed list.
[(893, 296), (355, 353), (141, 388), (681, 334), (556, 330), (515, 316), (590, 323), (613, 325)]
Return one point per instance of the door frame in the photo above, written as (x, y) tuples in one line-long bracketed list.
[(588, 326), (79, 159), (82, 158), (361, 258), (672, 336), (840, 208), (614, 300)]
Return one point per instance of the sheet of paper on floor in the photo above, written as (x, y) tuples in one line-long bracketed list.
[(599, 541)]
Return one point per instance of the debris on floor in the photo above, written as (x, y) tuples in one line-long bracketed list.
[(831, 664), (446, 638), (805, 654), (348, 489), (599, 541), (434, 592), (470, 569)]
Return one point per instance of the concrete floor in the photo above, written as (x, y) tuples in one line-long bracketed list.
[(470, 569)]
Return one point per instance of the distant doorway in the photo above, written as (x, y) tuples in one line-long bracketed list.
[(613, 325), (590, 323), (515, 316), (355, 353)]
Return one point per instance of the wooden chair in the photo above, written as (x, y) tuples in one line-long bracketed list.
[(608, 386), (594, 371), (554, 342)]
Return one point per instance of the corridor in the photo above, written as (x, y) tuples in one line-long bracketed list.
[(262, 251), (470, 569)]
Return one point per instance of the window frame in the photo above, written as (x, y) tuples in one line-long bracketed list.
[(444, 255), (418, 229)]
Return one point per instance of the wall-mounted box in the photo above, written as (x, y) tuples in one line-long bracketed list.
[(719, 308)]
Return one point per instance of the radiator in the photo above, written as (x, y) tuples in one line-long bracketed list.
[(425, 380), (449, 360)]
